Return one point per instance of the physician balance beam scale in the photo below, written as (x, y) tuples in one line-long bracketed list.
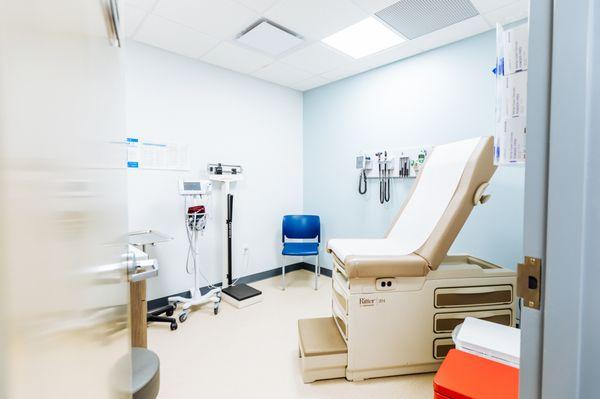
[(238, 295), (396, 300)]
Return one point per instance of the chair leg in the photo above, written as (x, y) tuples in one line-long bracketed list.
[(319, 269), (283, 272), (317, 273)]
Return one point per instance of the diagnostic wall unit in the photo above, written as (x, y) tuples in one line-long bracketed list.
[(403, 163)]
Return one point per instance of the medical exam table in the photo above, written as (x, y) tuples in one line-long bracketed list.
[(397, 299)]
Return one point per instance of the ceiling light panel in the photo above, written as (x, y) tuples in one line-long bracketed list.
[(269, 38), (366, 37), (414, 18)]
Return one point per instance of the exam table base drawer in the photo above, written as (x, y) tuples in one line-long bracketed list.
[(473, 296), (322, 351), (441, 347), (446, 322)]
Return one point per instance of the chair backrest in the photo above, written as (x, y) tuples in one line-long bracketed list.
[(301, 227), (443, 198)]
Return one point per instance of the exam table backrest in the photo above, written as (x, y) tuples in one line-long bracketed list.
[(479, 169)]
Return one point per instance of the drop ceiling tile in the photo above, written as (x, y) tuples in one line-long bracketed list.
[(508, 14), (282, 74), (317, 58), (315, 19), (453, 33), (393, 54), (310, 83), (485, 6), (131, 18), (222, 19), (269, 39), (160, 32), (385, 57), (236, 58), (372, 6), (143, 4), (343, 72), (259, 6)]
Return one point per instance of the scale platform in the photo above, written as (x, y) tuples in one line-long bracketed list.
[(241, 295)]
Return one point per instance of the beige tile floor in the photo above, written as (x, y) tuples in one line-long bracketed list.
[(252, 352)]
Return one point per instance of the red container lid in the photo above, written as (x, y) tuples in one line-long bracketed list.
[(466, 376), (196, 209)]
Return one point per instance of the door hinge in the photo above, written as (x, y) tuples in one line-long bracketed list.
[(529, 282)]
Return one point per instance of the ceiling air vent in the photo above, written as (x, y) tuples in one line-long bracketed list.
[(414, 18), (269, 38)]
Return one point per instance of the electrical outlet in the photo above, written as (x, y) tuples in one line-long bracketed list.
[(385, 284)]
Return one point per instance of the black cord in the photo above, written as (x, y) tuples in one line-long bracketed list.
[(362, 180), (381, 186), (387, 186)]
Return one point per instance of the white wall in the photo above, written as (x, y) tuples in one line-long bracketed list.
[(433, 98), (224, 117)]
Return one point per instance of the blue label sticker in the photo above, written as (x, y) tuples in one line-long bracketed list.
[(133, 164), (132, 140)]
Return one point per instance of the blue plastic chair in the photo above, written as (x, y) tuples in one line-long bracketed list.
[(300, 227)]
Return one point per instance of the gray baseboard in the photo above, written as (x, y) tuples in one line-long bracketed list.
[(158, 302)]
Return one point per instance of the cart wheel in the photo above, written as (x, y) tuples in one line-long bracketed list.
[(170, 313), (173, 326), (216, 310), (183, 317)]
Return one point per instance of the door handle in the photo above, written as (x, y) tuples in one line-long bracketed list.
[(143, 270)]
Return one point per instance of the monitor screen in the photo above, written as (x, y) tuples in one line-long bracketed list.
[(192, 186)]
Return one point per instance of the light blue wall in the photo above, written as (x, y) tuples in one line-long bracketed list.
[(436, 97)]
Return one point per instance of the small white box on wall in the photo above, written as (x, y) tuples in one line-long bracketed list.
[(516, 49), (510, 142), (515, 95)]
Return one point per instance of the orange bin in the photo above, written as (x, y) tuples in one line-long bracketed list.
[(466, 376)]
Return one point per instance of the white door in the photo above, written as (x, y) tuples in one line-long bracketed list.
[(570, 332), (63, 215), (536, 188), (560, 352)]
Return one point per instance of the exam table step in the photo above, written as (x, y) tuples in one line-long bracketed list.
[(323, 352)]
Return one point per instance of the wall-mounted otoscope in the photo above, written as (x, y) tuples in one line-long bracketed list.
[(385, 176), (363, 163)]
